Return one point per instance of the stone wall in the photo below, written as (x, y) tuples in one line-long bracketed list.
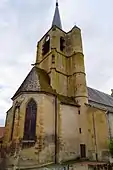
[(98, 134), (43, 150), (69, 132)]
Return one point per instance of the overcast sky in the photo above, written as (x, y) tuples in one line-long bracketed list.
[(24, 22)]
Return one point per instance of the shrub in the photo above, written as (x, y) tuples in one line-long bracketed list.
[(111, 147)]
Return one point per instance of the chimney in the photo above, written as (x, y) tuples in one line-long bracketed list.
[(112, 92)]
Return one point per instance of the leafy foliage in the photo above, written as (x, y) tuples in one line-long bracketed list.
[(111, 147)]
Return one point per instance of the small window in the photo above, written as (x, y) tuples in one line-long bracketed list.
[(53, 59), (83, 150), (79, 112), (80, 131), (62, 45), (46, 45)]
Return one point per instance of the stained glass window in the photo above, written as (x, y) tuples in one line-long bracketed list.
[(30, 121)]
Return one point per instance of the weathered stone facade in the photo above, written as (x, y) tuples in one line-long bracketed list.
[(70, 125)]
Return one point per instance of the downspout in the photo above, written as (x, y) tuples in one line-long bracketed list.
[(108, 122), (56, 120), (95, 140)]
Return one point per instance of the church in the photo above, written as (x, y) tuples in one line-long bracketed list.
[(56, 120)]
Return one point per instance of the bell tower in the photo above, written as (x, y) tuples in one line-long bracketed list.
[(51, 54), (60, 53)]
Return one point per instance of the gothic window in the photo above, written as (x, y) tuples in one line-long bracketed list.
[(15, 118), (13, 125), (30, 121), (46, 45)]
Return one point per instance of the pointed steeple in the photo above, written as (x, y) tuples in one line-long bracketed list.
[(56, 19)]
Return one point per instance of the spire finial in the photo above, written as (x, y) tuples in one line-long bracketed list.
[(56, 19), (56, 2)]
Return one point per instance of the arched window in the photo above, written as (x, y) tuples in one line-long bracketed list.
[(15, 118), (30, 121), (46, 45)]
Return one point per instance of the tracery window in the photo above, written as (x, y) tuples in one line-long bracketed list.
[(30, 121)]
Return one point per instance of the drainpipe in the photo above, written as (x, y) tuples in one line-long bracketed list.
[(56, 120), (108, 122), (109, 129), (95, 140)]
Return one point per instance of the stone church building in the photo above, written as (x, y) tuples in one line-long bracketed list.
[(55, 118)]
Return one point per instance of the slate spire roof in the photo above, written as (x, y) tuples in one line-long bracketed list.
[(56, 18), (36, 80)]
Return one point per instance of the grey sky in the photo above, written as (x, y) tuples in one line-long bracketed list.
[(23, 23)]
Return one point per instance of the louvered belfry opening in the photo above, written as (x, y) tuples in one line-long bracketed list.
[(46, 46)]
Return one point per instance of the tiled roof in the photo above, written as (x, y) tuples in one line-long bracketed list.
[(100, 99), (36, 80)]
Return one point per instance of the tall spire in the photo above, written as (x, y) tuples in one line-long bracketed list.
[(56, 19)]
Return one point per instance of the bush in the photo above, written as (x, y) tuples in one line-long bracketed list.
[(111, 147)]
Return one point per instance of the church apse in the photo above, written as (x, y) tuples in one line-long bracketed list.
[(36, 130)]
